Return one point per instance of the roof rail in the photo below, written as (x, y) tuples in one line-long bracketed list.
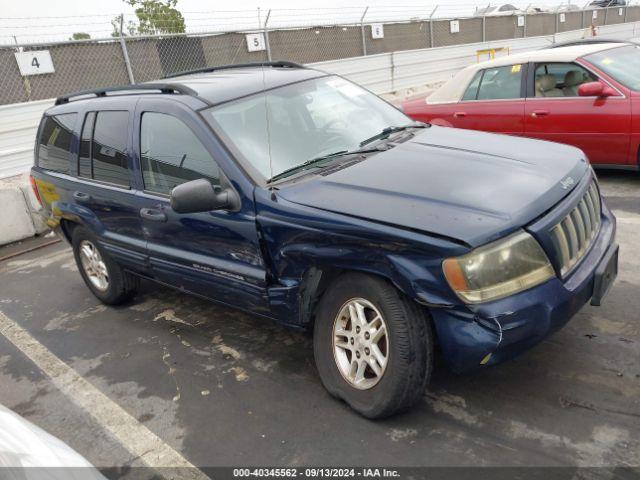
[(276, 64), (168, 88)]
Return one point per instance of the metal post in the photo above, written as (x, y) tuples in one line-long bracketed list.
[(557, 22), (266, 35), (625, 13), (606, 15), (25, 80), (393, 72), (125, 52), (431, 45), (364, 40), (484, 23), (526, 18)]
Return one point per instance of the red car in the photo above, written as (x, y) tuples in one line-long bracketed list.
[(587, 96)]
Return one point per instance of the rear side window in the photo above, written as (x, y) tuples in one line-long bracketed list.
[(103, 144), (171, 154), (54, 147), (472, 89), (498, 83)]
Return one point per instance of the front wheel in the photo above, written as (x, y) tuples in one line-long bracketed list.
[(373, 347)]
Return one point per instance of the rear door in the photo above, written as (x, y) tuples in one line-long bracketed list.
[(601, 127), (215, 254), (103, 190), (493, 101)]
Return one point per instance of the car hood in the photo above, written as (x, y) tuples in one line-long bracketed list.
[(466, 185)]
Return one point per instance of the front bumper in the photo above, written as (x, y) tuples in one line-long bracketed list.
[(475, 335)]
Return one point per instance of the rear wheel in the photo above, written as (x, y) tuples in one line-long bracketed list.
[(104, 277), (373, 346)]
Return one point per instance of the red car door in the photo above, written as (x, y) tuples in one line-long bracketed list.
[(554, 111), (493, 102)]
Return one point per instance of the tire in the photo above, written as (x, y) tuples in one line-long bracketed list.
[(120, 286), (409, 346)]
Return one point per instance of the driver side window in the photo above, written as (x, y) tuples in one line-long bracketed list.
[(560, 79), (170, 154)]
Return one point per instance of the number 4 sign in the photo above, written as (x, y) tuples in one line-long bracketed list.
[(35, 62)]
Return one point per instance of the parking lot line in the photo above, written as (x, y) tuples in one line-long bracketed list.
[(141, 442)]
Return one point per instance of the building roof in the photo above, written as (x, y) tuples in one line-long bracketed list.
[(453, 89)]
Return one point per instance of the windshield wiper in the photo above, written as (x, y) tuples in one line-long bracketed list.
[(318, 161), (389, 130)]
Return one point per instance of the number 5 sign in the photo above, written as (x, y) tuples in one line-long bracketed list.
[(36, 62), (255, 42)]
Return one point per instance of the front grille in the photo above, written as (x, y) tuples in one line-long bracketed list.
[(575, 233)]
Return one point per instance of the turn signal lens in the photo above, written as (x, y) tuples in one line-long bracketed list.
[(498, 269)]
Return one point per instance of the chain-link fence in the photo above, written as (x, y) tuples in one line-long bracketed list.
[(33, 71)]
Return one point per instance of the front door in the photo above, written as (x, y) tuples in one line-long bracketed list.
[(554, 111), (215, 254)]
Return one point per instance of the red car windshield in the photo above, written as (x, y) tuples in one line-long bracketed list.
[(623, 64)]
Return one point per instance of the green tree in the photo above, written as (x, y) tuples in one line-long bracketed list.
[(80, 36), (157, 16), (128, 29)]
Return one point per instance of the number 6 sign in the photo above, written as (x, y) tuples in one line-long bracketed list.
[(35, 62)]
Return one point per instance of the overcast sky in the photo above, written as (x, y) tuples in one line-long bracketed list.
[(45, 20)]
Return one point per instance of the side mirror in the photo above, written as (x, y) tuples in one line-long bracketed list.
[(200, 196), (595, 89)]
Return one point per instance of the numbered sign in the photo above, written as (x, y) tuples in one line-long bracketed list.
[(521, 20), (563, 18), (36, 62), (454, 26), (255, 42), (377, 30), (621, 12), (595, 14)]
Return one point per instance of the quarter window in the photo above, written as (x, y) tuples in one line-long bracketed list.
[(497, 83), (171, 154), (54, 147)]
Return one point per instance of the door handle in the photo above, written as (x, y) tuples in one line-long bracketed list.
[(81, 196), (153, 214), (540, 113), (460, 114)]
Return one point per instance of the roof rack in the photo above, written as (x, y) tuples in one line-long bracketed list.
[(276, 64), (168, 88)]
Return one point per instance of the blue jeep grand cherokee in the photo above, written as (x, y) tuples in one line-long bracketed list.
[(298, 196)]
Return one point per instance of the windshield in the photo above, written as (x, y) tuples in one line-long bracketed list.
[(623, 64), (307, 120)]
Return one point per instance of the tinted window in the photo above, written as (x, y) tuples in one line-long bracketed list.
[(501, 83), (108, 148), (84, 162), (171, 154), (54, 150), (472, 89)]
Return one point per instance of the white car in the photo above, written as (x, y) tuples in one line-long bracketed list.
[(28, 452)]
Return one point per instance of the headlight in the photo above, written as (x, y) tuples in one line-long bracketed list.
[(498, 269)]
